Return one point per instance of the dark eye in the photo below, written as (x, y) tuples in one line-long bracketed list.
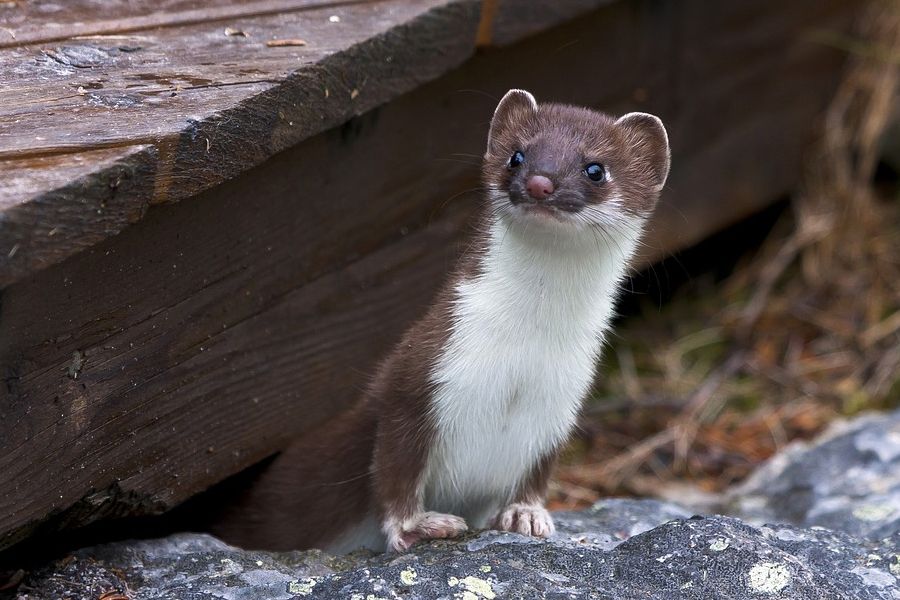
[(596, 172), (515, 160)]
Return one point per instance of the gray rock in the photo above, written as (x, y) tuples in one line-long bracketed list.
[(619, 549), (847, 480), (593, 556)]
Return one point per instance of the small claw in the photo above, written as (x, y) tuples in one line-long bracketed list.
[(423, 526), (526, 519), (399, 544)]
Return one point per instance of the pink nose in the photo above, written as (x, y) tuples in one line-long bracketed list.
[(539, 187)]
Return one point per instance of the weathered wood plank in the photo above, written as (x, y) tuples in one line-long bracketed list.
[(216, 128), (55, 171), (92, 195), (121, 91), (286, 283), (144, 87), (42, 21)]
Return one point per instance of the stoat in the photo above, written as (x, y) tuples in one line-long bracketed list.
[(465, 417)]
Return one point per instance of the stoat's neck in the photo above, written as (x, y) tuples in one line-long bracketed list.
[(528, 279), (568, 264)]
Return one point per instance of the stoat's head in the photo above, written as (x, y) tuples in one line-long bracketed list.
[(557, 164)]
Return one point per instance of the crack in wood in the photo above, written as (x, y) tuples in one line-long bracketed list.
[(173, 19), (137, 90)]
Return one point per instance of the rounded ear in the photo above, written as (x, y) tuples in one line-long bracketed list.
[(646, 133), (515, 107)]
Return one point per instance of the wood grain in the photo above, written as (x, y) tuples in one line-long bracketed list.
[(41, 21), (55, 171), (195, 118), (143, 86)]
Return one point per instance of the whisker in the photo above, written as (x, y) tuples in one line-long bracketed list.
[(458, 160)]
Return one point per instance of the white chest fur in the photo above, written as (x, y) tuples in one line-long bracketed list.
[(525, 338)]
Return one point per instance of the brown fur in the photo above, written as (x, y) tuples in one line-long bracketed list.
[(405, 431), (311, 491), (533, 488)]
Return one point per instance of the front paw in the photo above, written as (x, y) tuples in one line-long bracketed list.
[(422, 526), (527, 519)]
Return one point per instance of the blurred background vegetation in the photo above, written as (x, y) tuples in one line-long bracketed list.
[(771, 330)]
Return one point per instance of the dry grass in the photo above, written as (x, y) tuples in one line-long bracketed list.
[(807, 330)]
